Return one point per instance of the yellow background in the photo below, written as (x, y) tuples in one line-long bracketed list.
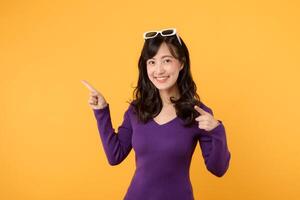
[(244, 59)]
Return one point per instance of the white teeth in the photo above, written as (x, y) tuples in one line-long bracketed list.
[(162, 78)]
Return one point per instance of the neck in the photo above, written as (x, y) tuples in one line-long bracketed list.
[(166, 94)]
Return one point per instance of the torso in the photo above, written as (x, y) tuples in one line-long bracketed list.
[(163, 156)]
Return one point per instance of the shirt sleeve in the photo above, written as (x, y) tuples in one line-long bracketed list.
[(116, 145), (214, 148)]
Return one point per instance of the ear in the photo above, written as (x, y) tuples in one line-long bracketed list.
[(181, 67)]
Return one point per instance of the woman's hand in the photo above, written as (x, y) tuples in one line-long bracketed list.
[(96, 100), (206, 120)]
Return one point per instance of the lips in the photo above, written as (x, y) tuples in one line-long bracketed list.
[(161, 78)]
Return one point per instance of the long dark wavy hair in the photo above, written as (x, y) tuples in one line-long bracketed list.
[(147, 102)]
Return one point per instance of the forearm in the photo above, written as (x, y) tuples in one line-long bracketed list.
[(219, 155), (116, 145)]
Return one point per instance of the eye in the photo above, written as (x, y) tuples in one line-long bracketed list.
[(151, 62), (168, 60)]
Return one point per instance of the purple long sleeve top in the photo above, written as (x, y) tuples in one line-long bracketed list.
[(163, 153)]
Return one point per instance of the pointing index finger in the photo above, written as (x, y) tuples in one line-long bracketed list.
[(200, 110), (91, 88)]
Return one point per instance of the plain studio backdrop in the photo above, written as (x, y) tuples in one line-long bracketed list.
[(244, 59)]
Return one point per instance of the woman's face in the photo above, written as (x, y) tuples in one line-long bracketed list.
[(163, 68)]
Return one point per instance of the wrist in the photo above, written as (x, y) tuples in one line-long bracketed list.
[(102, 105)]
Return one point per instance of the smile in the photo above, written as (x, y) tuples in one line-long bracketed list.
[(161, 79)]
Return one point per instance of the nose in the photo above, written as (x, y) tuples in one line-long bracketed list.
[(160, 69)]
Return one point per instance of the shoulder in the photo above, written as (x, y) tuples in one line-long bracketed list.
[(130, 108)]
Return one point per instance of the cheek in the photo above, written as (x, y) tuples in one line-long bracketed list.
[(149, 72), (174, 68), (174, 71), (175, 75)]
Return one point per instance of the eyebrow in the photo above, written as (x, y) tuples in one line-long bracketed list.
[(164, 56)]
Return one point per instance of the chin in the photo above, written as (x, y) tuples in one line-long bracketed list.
[(163, 87)]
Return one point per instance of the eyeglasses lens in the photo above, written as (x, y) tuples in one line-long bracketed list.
[(167, 32), (151, 34)]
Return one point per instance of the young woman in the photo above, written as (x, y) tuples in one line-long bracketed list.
[(163, 124)]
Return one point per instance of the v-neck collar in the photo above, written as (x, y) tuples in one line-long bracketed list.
[(166, 123)]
